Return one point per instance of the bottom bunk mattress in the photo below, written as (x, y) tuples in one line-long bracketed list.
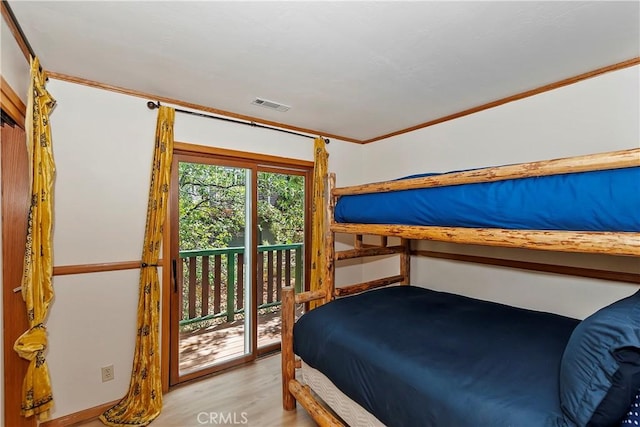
[(416, 357)]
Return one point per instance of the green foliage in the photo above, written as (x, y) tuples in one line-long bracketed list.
[(212, 206), (281, 207)]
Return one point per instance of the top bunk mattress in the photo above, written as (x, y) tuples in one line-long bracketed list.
[(606, 200)]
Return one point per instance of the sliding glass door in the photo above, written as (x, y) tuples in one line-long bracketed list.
[(237, 237)]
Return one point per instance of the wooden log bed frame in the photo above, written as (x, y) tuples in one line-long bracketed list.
[(612, 243)]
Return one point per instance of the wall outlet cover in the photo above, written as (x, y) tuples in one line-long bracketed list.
[(107, 373)]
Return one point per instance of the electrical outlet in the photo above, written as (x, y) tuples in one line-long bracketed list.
[(107, 373)]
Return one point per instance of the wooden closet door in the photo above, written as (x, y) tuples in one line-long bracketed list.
[(15, 208)]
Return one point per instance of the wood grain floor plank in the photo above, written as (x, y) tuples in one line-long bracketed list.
[(250, 393)]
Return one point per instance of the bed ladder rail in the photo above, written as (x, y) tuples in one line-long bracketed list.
[(364, 250), (369, 250), (365, 286)]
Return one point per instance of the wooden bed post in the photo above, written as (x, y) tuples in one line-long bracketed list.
[(329, 241), (288, 358), (357, 242), (405, 261)]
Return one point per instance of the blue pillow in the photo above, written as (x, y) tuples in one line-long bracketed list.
[(590, 368), (624, 384), (633, 416)]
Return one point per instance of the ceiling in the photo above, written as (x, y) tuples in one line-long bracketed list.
[(358, 69)]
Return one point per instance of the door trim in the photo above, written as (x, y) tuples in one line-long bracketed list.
[(205, 150), (174, 370), (255, 162), (11, 102), (15, 208)]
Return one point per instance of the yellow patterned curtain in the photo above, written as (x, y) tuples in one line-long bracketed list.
[(37, 289), (143, 401), (318, 219)]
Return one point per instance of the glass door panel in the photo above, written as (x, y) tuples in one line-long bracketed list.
[(281, 232), (214, 206)]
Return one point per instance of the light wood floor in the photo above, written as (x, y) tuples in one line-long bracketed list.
[(253, 390)]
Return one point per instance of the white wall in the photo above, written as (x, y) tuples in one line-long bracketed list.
[(103, 145), (595, 115), (13, 65)]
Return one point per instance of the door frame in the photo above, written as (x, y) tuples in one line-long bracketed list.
[(15, 208), (255, 162), (174, 375)]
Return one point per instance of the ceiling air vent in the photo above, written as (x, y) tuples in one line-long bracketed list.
[(270, 104)]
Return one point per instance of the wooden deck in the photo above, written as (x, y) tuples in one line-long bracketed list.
[(207, 346)]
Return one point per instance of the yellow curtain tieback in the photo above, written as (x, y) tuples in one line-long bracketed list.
[(31, 342)]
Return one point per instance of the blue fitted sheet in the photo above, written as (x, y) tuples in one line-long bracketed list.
[(588, 201), (416, 357)]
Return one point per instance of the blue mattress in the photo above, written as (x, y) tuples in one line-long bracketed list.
[(416, 357), (588, 201)]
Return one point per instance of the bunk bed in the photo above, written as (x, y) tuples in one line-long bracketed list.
[(449, 360)]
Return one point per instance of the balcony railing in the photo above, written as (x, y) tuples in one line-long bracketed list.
[(213, 280)]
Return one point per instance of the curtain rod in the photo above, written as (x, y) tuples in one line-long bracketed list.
[(12, 18), (153, 105)]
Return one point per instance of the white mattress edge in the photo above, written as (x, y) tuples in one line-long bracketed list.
[(352, 413)]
